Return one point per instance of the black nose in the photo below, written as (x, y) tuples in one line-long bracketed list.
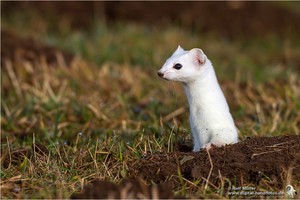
[(160, 74)]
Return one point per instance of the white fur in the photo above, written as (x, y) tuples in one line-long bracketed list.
[(210, 119), (291, 192)]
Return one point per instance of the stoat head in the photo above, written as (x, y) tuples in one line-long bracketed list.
[(184, 66)]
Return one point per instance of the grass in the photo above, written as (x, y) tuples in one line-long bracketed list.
[(108, 109)]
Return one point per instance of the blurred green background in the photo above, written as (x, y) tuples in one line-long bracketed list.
[(250, 35)]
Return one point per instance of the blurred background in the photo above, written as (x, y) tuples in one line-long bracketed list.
[(230, 19), (116, 48), (73, 25), (248, 42)]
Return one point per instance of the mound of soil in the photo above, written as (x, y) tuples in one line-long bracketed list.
[(126, 190), (15, 48), (248, 161)]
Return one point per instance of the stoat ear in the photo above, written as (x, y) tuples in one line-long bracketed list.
[(198, 56), (178, 50)]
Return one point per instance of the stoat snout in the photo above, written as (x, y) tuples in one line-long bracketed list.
[(160, 74)]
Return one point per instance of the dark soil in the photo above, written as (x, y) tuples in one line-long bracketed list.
[(247, 162)]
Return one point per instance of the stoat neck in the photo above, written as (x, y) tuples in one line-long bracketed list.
[(205, 92)]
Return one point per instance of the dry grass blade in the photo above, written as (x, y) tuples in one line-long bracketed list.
[(13, 78), (266, 152), (210, 171), (174, 114)]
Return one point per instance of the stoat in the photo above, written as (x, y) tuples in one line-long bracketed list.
[(210, 118)]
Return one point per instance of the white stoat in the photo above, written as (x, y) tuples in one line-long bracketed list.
[(210, 119)]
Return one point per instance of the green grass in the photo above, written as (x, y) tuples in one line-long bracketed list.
[(109, 108)]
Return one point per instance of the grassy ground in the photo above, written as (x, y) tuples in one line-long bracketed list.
[(93, 117)]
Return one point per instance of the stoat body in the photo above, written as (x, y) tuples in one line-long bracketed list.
[(210, 118)]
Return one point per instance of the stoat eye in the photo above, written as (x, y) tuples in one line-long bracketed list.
[(177, 66)]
